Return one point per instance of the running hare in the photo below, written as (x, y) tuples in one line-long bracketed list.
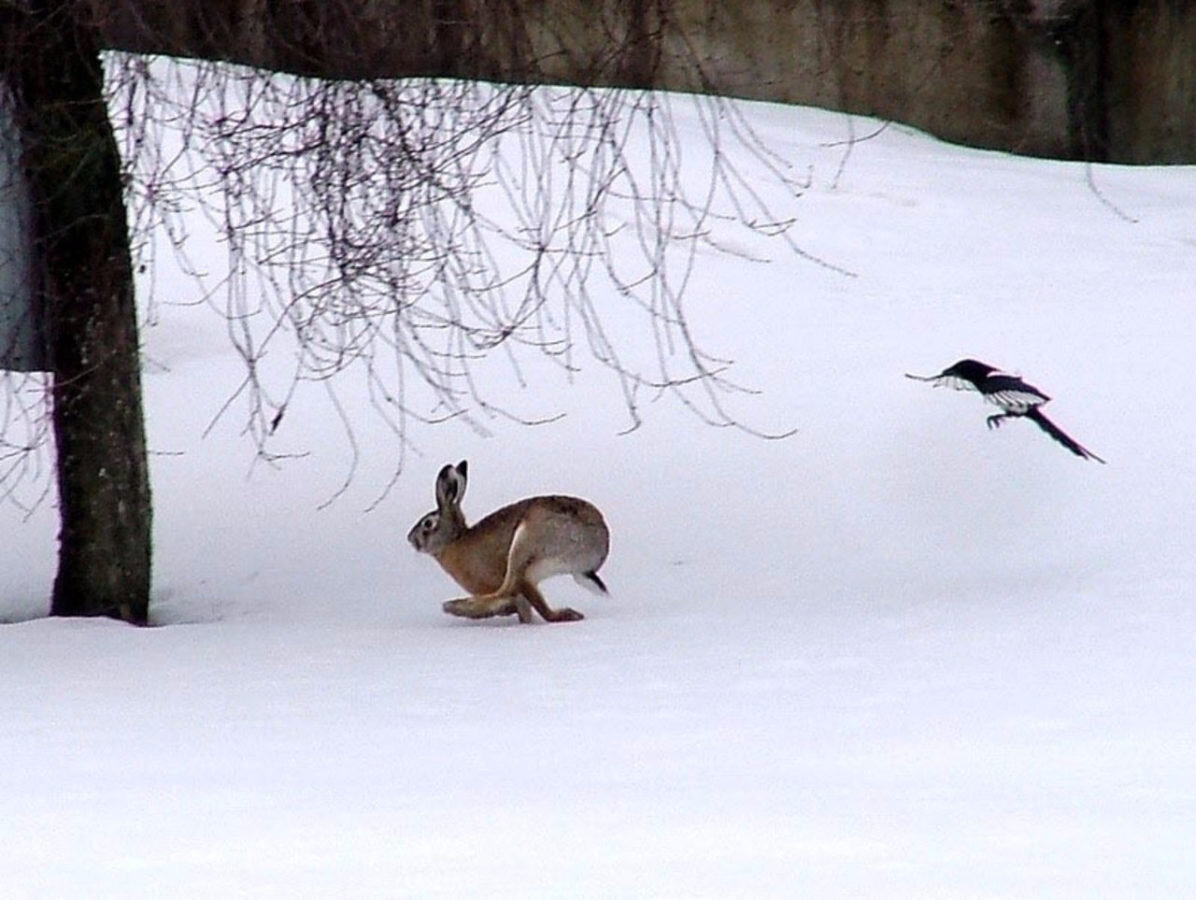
[(502, 558)]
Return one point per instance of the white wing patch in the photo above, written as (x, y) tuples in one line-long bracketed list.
[(1015, 400), (954, 381)]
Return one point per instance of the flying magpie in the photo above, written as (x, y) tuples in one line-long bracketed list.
[(1014, 396)]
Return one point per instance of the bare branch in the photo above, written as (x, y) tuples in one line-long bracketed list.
[(411, 229)]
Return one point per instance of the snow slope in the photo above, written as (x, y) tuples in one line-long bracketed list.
[(895, 654)]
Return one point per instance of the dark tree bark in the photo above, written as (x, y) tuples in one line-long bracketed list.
[(84, 270), (1090, 79)]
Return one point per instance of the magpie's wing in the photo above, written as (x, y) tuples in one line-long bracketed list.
[(951, 381), (1011, 393)]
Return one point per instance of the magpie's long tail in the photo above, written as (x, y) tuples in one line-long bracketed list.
[(1060, 435)]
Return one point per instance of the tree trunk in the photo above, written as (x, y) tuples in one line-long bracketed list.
[(84, 267)]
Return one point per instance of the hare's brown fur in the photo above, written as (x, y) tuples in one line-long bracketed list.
[(502, 558)]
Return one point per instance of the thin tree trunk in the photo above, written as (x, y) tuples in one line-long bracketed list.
[(85, 274)]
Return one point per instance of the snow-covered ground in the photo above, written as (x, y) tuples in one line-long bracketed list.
[(895, 654)]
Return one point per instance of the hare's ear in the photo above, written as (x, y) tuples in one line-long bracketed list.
[(450, 485)]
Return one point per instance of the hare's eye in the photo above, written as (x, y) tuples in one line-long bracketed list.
[(429, 523)]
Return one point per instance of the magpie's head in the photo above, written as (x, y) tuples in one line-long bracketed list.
[(969, 370)]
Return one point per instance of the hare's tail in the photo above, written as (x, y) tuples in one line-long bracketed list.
[(591, 582)]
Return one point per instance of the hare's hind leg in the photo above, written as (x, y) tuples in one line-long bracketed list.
[(509, 596), (522, 562), (564, 614), (516, 588)]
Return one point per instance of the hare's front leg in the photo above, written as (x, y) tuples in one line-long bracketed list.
[(502, 603), (481, 607)]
